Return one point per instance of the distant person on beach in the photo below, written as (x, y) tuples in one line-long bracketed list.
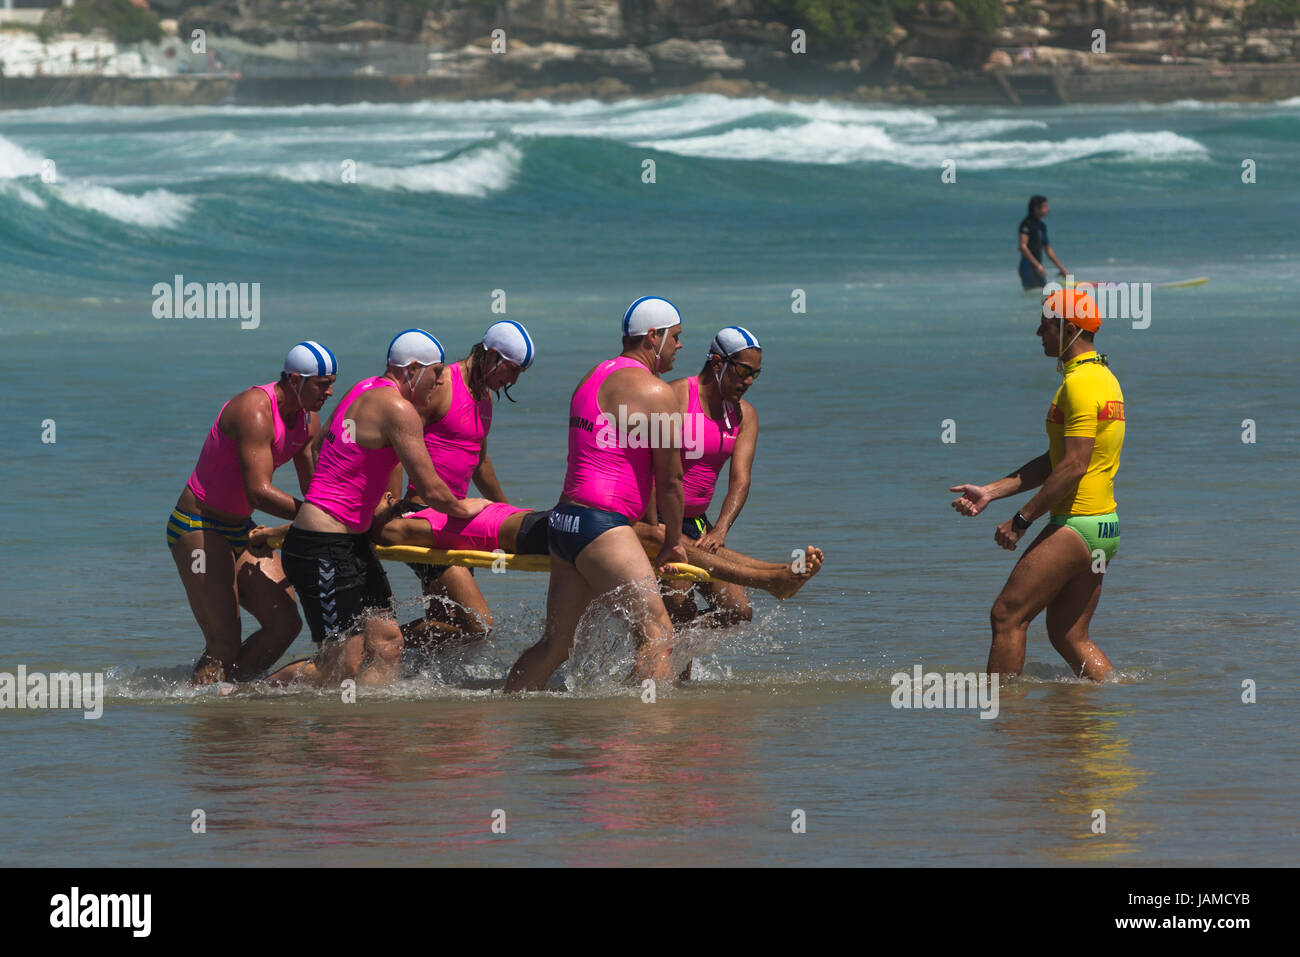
[(1033, 243), (1063, 569)]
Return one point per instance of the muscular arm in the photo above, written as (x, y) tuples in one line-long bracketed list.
[(404, 430), (485, 478), (304, 462), (669, 501), (1064, 478), (742, 460), (252, 429), (1030, 475)]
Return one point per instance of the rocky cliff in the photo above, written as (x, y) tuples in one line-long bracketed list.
[(609, 47), (955, 31)]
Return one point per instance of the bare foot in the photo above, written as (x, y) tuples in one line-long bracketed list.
[(207, 671), (653, 660), (303, 671), (429, 634), (789, 581)]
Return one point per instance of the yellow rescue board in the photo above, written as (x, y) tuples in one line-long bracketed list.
[(678, 571)]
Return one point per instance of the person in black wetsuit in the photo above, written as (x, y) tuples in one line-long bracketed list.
[(1033, 243)]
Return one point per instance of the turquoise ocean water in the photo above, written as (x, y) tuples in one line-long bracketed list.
[(913, 316)]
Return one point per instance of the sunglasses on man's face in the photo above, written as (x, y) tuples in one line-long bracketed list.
[(744, 371)]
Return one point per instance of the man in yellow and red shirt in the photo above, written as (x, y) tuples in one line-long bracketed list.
[(1064, 567)]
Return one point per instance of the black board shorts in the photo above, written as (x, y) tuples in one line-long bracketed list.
[(532, 536), (337, 577)]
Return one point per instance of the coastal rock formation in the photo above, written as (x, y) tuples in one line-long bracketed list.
[(645, 44)]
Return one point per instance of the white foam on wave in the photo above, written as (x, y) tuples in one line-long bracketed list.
[(974, 129), (829, 143), (16, 161), (850, 113), (475, 173), (156, 209), (10, 187), (30, 198), (634, 119), (814, 142)]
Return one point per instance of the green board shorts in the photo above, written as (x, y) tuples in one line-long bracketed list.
[(1099, 532)]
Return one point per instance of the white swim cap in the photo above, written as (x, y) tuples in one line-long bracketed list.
[(649, 313), (511, 340), (415, 345), (733, 339), (311, 358)]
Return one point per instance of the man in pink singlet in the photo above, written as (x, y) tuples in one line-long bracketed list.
[(614, 463), (341, 585), (725, 427), (255, 433), (457, 422)]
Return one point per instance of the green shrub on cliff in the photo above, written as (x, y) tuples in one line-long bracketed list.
[(843, 23), (853, 23), (125, 22), (1273, 12), (984, 14)]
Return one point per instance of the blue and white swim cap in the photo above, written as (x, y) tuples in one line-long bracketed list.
[(311, 358), (649, 313), (733, 339), (512, 341), (415, 346)]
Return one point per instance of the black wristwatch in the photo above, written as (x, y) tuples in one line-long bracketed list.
[(1020, 523)]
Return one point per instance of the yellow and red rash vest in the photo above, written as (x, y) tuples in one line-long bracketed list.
[(1089, 402)]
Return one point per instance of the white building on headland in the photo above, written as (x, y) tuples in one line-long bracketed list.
[(23, 53), (27, 11)]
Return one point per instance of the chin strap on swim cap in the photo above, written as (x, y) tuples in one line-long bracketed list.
[(504, 388), (406, 370), (1063, 349), (663, 339), (1082, 311)]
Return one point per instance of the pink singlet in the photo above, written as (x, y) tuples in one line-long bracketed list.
[(455, 442), (614, 479), (217, 480), (700, 475), (350, 479), (477, 534)]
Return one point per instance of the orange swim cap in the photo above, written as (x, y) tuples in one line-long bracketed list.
[(1073, 305)]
